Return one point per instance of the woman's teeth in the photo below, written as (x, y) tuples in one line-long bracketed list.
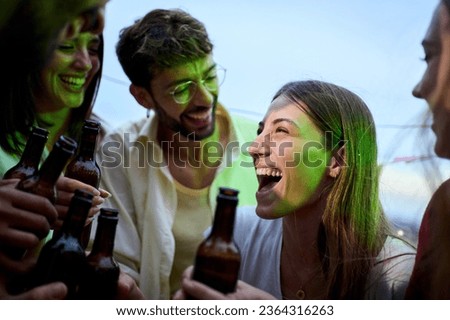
[(269, 172), (72, 81)]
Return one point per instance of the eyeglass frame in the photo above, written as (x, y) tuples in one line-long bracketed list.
[(189, 83)]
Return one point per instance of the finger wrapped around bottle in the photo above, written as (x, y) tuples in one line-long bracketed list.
[(66, 188)]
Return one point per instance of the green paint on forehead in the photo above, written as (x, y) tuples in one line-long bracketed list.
[(191, 70)]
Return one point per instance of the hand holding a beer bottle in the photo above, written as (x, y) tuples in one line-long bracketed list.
[(66, 188), (198, 290), (127, 289), (25, 219), (217, 262), (56, 290)]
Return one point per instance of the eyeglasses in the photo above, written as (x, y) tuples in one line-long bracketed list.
[(184, 92)]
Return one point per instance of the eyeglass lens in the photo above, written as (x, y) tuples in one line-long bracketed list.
[(184, 92)]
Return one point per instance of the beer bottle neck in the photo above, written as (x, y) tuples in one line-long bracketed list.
[(104, 236), (87, 147), (32, 153), (53, 166), (223, 225), (76, 217)]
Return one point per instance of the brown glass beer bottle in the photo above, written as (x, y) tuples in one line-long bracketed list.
[(218, 259), (84, 167), (31, 156), (63, 258), (43, 182), (102, 271)]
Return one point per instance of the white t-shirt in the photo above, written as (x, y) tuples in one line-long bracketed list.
[(259, 241)]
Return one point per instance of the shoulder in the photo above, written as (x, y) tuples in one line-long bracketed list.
[(245, 218), (130, 130), (132, 137), (430, 277), (392, 270), (260, 247), (444, 188), (439, 204), (434, 230), (442, 195), (251, 230)]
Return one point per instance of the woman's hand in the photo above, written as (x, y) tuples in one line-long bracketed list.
[(25, 219), (200, 291), (66, 188), (56, 290)]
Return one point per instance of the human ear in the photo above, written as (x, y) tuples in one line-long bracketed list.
[(142, 96), (336, 163)]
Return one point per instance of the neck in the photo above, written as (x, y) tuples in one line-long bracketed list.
[(301, 267), (300, 233), (56, 122)]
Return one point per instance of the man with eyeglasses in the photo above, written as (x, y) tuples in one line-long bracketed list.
[(164, 172)]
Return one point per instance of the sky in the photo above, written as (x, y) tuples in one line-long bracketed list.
[(370, 47)]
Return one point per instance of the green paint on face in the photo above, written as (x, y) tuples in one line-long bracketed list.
[(290, 146), (65, 80), (197, 116)]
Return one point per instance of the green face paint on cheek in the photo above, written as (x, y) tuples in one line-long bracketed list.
[(69, 73), (297, 148)]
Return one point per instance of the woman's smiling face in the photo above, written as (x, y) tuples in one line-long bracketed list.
[(290, 160), (65, 80)]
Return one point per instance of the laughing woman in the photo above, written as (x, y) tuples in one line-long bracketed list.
[(319, 231), (57, 98)]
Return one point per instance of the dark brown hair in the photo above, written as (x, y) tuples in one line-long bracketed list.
[(161, 39), (447, 4), (19, 115), (28, 33), (353, 227)]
